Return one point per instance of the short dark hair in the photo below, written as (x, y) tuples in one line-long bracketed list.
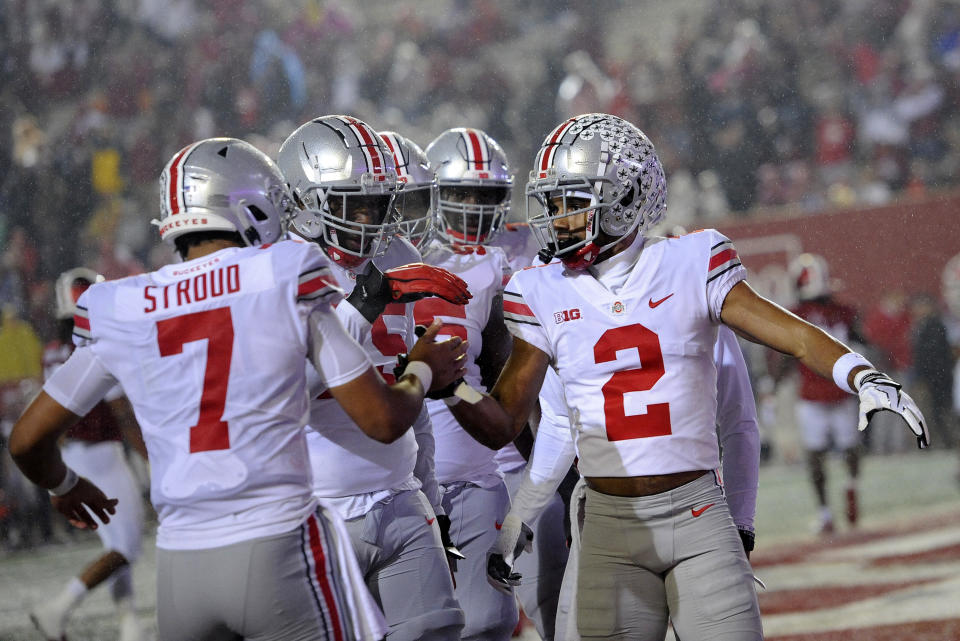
[(185, 242)]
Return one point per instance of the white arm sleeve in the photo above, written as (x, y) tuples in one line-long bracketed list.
[(353, 321), (737, 430), (337, 357), (553, 453), (424, 468), (81, 382)]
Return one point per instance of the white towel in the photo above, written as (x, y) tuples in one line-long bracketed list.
[(366, 617)]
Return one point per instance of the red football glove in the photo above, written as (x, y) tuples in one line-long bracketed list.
[(419, 280), (404, 284)]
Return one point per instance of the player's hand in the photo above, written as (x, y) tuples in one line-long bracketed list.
[(374, 289), (447, 359), (418, 280), (515, 537), (878, 392), (453, 552), (435, 394), (82, 503)]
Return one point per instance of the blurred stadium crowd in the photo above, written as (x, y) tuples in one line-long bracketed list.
[(753, 105)]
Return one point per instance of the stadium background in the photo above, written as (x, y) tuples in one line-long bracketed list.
[(809, 125)]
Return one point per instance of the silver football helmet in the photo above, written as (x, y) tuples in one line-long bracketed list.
[(70, 284), (223, 184), (475, 180), (417, 201), (610, 171), (345, 179)]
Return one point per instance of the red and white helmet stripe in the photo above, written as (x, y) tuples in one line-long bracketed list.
[(171, 182), (403, 164), (548, 150), (478, 154), (369, 143)]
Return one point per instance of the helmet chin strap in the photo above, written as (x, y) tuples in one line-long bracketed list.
[(582, 258)]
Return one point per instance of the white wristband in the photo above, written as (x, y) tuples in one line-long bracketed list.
[(843, 366), (422, 371), (69, 482), (463, 392)]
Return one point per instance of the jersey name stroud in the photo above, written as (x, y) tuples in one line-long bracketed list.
[(215, 283)]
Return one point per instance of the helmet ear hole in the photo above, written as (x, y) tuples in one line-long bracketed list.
[(629, 196), (257, 213)]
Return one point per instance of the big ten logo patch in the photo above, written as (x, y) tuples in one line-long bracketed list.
[(566, 315)]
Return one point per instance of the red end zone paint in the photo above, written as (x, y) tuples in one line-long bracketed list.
[(943, 630), (784, 601)]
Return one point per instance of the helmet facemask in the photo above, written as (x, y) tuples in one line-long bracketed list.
[(415, 206), (471, 215), (352, 225)]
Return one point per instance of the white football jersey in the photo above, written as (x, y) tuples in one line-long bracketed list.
[(345, 461), (211, 353), (637, 367), (459, 457)]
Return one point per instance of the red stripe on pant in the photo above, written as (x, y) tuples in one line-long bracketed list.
[(320, 569)]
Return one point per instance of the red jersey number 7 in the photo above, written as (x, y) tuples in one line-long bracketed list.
[(216, 325)]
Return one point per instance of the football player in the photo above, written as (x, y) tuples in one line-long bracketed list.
[(347, 177), (826, 414), (629, 323), (554, 452), (93, 448), (474, 181), (210, 353)]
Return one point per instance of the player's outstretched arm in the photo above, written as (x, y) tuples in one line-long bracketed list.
[(762, 321), (33, 446), (496, 418), (384, 412)]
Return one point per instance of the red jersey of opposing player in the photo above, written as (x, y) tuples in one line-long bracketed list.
[(838, 320)]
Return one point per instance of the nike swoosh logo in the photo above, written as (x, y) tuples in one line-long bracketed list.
[(497, 524), (654, 303), (697, 513), (430, 521)]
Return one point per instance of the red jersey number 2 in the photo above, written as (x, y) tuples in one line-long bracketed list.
[(216, 325), (656, 420)]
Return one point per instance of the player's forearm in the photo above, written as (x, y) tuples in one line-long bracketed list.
[(33, 441), (765, 322), (488, 422), (404, 400)]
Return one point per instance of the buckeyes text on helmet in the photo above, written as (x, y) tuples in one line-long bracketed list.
[(607, 160), (345, 180), (418, 200), (475, 180), (223, 184)]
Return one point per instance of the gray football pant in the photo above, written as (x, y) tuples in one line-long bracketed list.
[(276, 588), (542, 569), (474, 512), (674, 555), (403, 563)]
